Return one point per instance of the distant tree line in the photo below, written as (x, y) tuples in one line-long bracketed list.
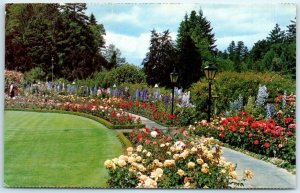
[(36, 33), (194, 48)]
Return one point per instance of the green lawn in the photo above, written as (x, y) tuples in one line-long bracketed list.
[(49, 149)]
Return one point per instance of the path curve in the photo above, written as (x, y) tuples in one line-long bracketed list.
[(266, 175)]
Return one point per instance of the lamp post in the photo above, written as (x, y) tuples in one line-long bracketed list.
[(52, 60), (210, 73), (174, 78)]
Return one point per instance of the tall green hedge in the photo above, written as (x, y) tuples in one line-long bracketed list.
[(229, 85)]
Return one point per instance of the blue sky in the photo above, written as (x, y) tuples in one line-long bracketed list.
[(128, 26)]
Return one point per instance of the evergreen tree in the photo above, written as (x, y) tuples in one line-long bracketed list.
[(160, 59), (37, 32), (195, 46), (291, 32), (276, 35)]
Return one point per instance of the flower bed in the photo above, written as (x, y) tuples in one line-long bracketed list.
[(117, 118), (177, 160), (274, 137)]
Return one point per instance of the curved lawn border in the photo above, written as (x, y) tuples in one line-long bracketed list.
[(98, 119)]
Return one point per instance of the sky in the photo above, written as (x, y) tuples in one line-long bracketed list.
[(128, 26)]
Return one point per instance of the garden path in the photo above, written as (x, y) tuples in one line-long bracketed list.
[(266, 175)]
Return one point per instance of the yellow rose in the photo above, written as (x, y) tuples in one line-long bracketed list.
[(210, 156), (148, 154), (131, 159), (115, 160), (233, 174), (162, 145), (176, 156), (184, 154), (229, 166), (168, 153), (248, 174), (129, 149), (180, 172), (157, 173), (205, 168), (191, 165), (121, 163), (172, 149), (193, 150), (200, 161), (149, 183), (143, 178), (140, 167), (138, 158), (157, 163), (139, 148), (169, 163), (123, 157), (109, 164), (187, 185)]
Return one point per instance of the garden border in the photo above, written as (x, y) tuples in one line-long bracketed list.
[(86, 115)]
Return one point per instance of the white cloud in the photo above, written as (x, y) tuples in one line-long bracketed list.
[(248, 40), (134, 47)]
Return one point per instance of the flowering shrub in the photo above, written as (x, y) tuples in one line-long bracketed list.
[(275, 136), (229, 85), (169, 162)]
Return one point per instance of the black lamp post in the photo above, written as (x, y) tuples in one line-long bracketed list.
[(52, 60), (210, 73), (174, 78)]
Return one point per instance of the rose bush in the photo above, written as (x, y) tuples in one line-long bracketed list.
[(272, 137), (161, 161)]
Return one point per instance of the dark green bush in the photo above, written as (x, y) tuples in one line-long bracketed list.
[(229, 85), (126, 143)]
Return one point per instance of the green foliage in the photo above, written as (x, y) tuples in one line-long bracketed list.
[(37, 32), (229, 85), (123, 74), (195, 44), (250, 106), (35, 74), (159, 61)]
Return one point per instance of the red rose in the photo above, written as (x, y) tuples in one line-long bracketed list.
[(287, 120), (250, 135), (266, 144), (242, 130), (292, 126), (147, 141), (232, 128), (139, 137), (256, 142), (289, 133), (222, 134)]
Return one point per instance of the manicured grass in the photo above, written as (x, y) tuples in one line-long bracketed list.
[(56, 150)]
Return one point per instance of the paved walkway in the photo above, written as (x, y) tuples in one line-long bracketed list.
[(266, 175)]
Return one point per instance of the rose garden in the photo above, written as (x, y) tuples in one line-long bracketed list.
[(167, 125)]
